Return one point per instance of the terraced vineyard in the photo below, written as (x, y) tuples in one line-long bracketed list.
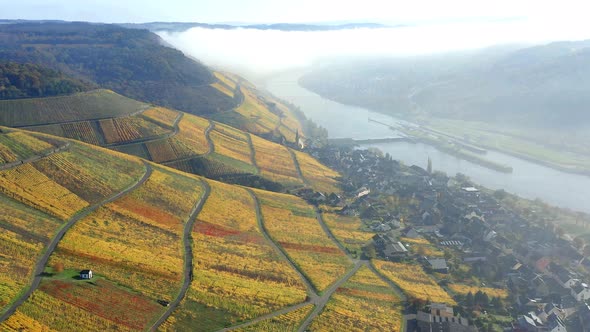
[(183, 141), (293, 225), (363, 303), (229, 256), (15, 145), (491, 292), (322, 177), (285, 322), (347, 231), (40, 196), (258, 113), (97, 104), (275, 162), (237, 274), (414, 282)]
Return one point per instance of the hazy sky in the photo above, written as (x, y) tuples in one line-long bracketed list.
[(391, 11)]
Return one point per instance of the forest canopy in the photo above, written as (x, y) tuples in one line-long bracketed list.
[(29, 81)]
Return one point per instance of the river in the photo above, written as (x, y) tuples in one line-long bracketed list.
[(527, 180)]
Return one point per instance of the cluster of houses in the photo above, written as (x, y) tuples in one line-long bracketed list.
[(507, 250)]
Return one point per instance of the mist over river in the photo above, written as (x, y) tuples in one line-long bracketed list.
[(527, 180)]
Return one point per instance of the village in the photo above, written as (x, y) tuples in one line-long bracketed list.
[(460, 232)]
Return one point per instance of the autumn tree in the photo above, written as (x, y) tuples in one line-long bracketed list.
[(58, 267)]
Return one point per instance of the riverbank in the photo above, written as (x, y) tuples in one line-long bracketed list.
[(529, 179), (445, 143), (575, 169)]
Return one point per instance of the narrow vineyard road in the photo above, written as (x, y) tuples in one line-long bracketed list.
[(42, 262), (188, 255)]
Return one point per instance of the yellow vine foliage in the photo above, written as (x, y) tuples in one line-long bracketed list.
[(235, 268), (491, 292), (413, 281), (226, 79), (19, 145), (125, 129), (23, 235), (347, 230), (275, 162), (231, 143), (223, 89), (43, 312), (161, 115), (363, 303), (281, 323), (256, 109), (82, 131), (29, 141), (136, 241), (321, 177), (422, 247), (293, 225), (6, 154), (28, 185), (192, 133)]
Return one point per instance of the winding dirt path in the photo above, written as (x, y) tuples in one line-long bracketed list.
[(41, 155), (298, 167), (252, 153), (311, 290), (188, 255), (42, 262)]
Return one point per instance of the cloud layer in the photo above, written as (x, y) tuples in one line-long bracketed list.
[(264, 51)]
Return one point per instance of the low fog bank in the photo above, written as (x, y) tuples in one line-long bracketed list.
[(262, 52)]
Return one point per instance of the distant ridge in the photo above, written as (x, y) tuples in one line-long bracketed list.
[(183, 26)]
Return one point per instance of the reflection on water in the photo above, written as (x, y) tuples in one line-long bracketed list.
[(527, 180)]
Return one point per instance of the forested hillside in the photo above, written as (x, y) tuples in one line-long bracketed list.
[(132, 62), (29, 80)]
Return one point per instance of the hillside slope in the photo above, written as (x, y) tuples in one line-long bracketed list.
[(28, 81), (225, 254), (543, 86), (257, 112), (131, 62), (180, 140)]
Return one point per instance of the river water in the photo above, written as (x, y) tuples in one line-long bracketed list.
[(527, 180)]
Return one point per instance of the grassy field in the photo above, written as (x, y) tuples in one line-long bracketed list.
[(363, 303), (96, 104)]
